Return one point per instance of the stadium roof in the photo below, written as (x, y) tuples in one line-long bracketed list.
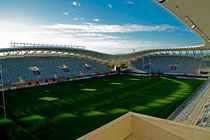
[(193, 13), (77, 52)]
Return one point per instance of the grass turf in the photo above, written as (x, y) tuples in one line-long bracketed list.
[(48, 98), (82, 106)]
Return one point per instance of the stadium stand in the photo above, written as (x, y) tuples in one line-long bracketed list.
[(196, 110), (35, 68), (171, 64)]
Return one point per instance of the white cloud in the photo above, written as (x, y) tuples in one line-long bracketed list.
[(66, 13), (90, 34), (109, 5), (97, 36), (96, 19), (93, 36), (78, 18), (130, 2), (75, 18), (98, 28), (76, 4)]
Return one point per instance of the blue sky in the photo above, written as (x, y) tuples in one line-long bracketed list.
[(109, 26)]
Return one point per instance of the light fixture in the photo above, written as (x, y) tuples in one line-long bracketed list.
[(193, 26)]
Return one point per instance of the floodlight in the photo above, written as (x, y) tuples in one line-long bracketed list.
[(193, 26)]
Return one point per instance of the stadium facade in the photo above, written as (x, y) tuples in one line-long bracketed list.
[(27, 65)]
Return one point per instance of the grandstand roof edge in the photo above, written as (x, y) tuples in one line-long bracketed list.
[(53, 48), (91, 54), (194, 15)]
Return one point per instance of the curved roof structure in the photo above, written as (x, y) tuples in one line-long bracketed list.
[(96, 56), (37, 50), (193, 13)]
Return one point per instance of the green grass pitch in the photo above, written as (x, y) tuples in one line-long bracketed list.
[(70, 110)]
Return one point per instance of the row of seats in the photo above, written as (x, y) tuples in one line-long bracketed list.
[(186, 113), (204, 119), (164, 63), (49, 67)]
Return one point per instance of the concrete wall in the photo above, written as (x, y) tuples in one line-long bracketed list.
[(118, 129), (133, 126)]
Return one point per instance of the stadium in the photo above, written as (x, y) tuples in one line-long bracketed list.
[(53, 91)]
